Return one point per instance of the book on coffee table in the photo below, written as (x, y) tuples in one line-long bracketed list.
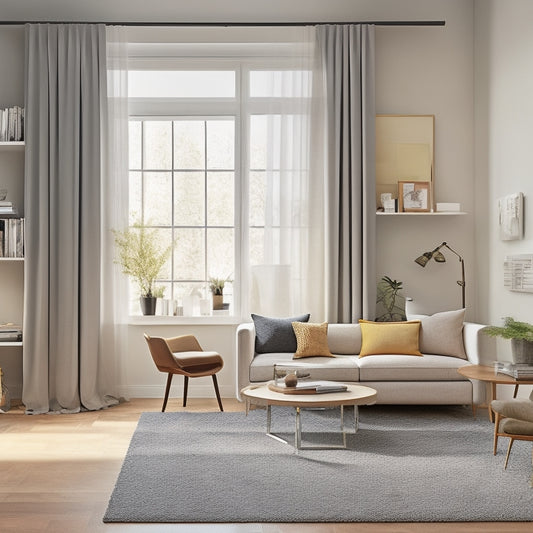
[(309, 387), (517, 371)]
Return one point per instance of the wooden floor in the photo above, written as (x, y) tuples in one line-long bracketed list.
[(57, 473)]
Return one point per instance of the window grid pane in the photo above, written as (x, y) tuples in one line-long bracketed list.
[(191, 207)]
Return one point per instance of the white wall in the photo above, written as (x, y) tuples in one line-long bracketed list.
[(504, 114), (430, 71), (419, 70)]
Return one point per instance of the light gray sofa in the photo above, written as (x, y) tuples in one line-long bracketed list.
[(398, 379)]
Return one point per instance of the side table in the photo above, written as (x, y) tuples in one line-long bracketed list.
[(487, 375)]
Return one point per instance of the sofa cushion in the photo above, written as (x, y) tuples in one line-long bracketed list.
[(516, 427), (275, 334), (389, 338), (400, 367), (442, 334), (340, 368), (311, 340), (344, 339)]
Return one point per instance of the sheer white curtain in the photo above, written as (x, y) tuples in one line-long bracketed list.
[(115, 201), (286, 277)]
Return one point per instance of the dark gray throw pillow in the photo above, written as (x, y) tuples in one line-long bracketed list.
[(274, 335)]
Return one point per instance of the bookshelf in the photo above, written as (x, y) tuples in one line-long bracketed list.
[(12, 268)]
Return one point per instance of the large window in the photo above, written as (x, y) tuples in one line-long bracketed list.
[(209, 170)]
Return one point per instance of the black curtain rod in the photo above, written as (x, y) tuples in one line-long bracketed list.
[(223, 24)]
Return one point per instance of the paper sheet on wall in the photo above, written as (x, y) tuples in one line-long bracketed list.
[(518, 272)]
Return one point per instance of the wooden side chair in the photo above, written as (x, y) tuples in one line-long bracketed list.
[(514, 419), (184, 355)]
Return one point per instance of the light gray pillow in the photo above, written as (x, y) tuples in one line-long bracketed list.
[(442, 334), (275, 335)]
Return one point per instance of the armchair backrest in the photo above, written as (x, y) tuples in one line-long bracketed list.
[(161, 353)]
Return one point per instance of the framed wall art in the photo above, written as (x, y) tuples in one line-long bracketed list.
[(414, 196), (405, 151), (511, 217)]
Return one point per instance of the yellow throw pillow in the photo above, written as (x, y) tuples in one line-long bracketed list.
[(389, 338), (311, 339)]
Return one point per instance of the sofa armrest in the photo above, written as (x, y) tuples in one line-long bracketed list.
[(480, 348), (245, 344)]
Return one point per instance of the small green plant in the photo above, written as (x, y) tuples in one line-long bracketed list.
[(141, 256), (511, 329), (216, 285)]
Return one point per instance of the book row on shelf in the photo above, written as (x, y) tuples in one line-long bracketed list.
[(11, 237), (10, 332), (7, 209), (12, 124)]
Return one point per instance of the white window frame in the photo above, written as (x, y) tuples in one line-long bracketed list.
[(241, 108)]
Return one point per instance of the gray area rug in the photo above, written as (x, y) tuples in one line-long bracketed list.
[(406, 464)]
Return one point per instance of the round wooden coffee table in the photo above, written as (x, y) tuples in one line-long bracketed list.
[(487, 374), (354, 395)]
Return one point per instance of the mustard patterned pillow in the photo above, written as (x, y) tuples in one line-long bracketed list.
[(311, 340)]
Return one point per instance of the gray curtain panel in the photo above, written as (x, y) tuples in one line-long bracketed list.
[(65, 103), (347, 53)]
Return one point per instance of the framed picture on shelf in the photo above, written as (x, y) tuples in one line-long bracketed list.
[(414, 196)]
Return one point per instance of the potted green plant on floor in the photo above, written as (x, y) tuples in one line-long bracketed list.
[(521, 336), (141, 257)]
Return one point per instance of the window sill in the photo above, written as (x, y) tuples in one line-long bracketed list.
[(161, 320)]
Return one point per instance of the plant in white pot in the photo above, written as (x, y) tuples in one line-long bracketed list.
[(142, 257), (521, 335)]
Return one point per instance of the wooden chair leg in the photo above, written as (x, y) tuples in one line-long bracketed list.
[(167, 390), (511, 440), (215, 383), (496, 429), (516, 390), (185, 389)]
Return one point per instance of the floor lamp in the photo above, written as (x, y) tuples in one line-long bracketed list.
[(439, 258)]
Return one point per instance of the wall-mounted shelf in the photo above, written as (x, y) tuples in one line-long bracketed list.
[(424, 214), (10, 344), (12, 145)]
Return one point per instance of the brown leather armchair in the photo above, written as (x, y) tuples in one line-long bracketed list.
[(184, 355)]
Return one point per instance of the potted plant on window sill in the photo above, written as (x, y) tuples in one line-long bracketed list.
[(216, 286), (142, 258), (521, 335)]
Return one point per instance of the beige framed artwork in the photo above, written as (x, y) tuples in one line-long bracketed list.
[(414, 196), (404, 153)]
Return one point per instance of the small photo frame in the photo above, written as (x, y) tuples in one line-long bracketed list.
[(414, 196)]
